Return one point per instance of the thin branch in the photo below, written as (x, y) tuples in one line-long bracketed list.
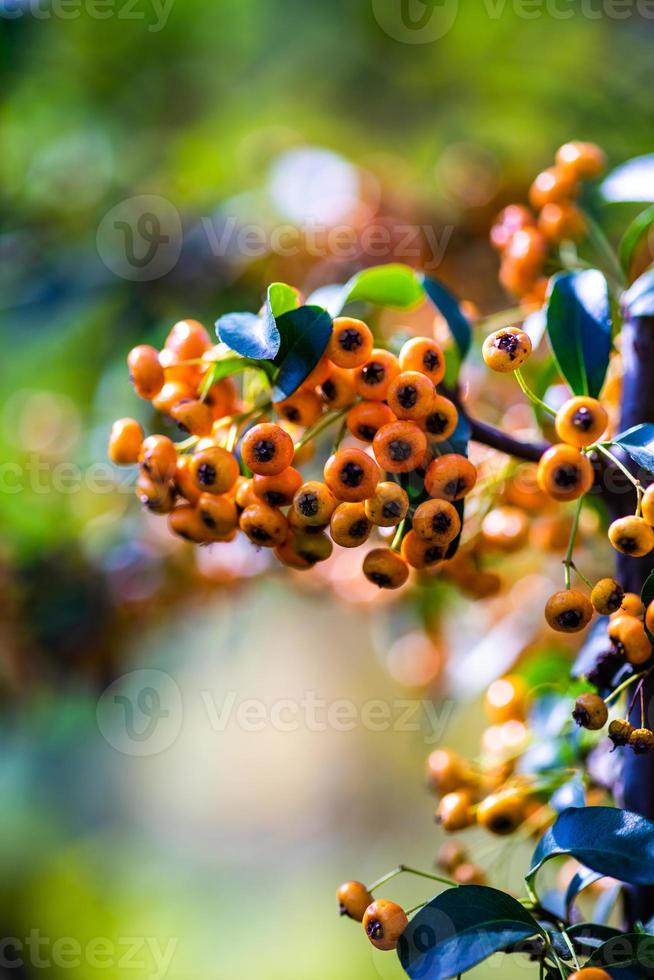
[(488, 435)]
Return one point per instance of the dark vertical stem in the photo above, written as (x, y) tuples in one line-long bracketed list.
[(635, 790)]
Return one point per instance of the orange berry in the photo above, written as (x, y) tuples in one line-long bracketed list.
[(172, 393), (447, 771), (302, 408), (561, 221), (506, 350), (304, 550), (175, 370), (400, 447), (590, 712), (385, 569), (442, 419), (450, 477), (384, 922), (366, 419), (184, 482), (526, 251), (423, 355), (265, 526), (372, 379), (584, 161), (388, 506), (647, 504), (636, 643), (568, 611), (421, 554), (505, 700), (158, 457), (581, 421), (503, 812), (351, 475), (185, 522), (338, 389), (319, 374), (454, 812), (125, 441), (351, 342), (511, 219), (145, 371), (353, 899), (267, 449), (410, 395), (279, 490), (632, 536), (349, 525), (222, 398), (607, 596), (156, 496), (505, 528), (564, 473), (192, 415), (553, 184), (437, 521), (217, 513), (188, 339), (649, 618), (214, 470), (314, 504)]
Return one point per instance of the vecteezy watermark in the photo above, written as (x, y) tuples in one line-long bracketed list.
[(153, 13), (140, 239), (141, 714), (148, 955), (426, 21)]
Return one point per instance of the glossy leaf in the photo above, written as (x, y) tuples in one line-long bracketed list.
[(589, 936), (384, 285), (281, 298), (633, 237), (612, 842), (639, 298), (633, 953), (633, 181), (304, 333), (447, 304), (249, 335), (579, 329), (638, 442), (229, 366), (459, 929), (582, 880)]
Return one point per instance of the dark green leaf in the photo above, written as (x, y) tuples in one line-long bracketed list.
[(579, 329), (613, 842), (633, 953), (589, 936), (639, 298), (633, 237), (459, 929), (249, 335), (304, 333), (632, 181), (582, 880), (448, 306), (639, 443)]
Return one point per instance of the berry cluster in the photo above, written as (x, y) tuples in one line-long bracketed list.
[(523, 237), (237, 470)]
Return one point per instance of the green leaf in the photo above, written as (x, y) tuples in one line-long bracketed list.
[(638, 442), (632, 181), (626, 955), (589, 936), (459, 929), (579, 329), (612, 842), (304, 334), (393, 285), (639, 298), (230, 366), (249, 335), (281, 298), (447, 304), (633, 237)]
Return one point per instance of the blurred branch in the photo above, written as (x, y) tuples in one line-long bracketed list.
[(488, 435)]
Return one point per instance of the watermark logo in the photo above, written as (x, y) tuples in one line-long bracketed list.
[(415, 21), (140, 239), (140, 714)]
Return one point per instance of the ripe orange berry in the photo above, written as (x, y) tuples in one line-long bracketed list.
[(568, 611), (384, 922), (632, 536), (314, 504), (450, 477), (437, 521), (372, 379), (505, 700), (338, 389), (506, 350), (217, 513), (647, 504), (266, 449), (158, 457), (176, 370), (503, 812), (366, 419), (442, 419), (410, 395), (388, 506), (145, 371), (590, 712), (454, 812), (590, 973), (505, 528), (511, 219), (302, 408), (447, 771), (351, 342), (553, 184), (319, 373), (185, 485), (581, 421), (423, 355), (607, 596), (243, 492), (351, 475), (632, 605), (526, 251), (125, 441), (172, 393), (649, 618), (279, 490), (222, 398), (353, 899), (517, 278), (194, 416), (469, 874), (155, 495), (421, 554), (214, 470), (564, 473), (636, 643), (303, 550), (265, 526), (584, 161), (185, 522), (188, 339), (385, 569), (561, 221), (349, 526), (399, 447)]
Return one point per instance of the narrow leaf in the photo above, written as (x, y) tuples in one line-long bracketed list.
[(632, 181), (249, 335), (459, 929), (579, 329), (447, 304)]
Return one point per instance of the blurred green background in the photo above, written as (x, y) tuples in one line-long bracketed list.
[(230, 121)]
